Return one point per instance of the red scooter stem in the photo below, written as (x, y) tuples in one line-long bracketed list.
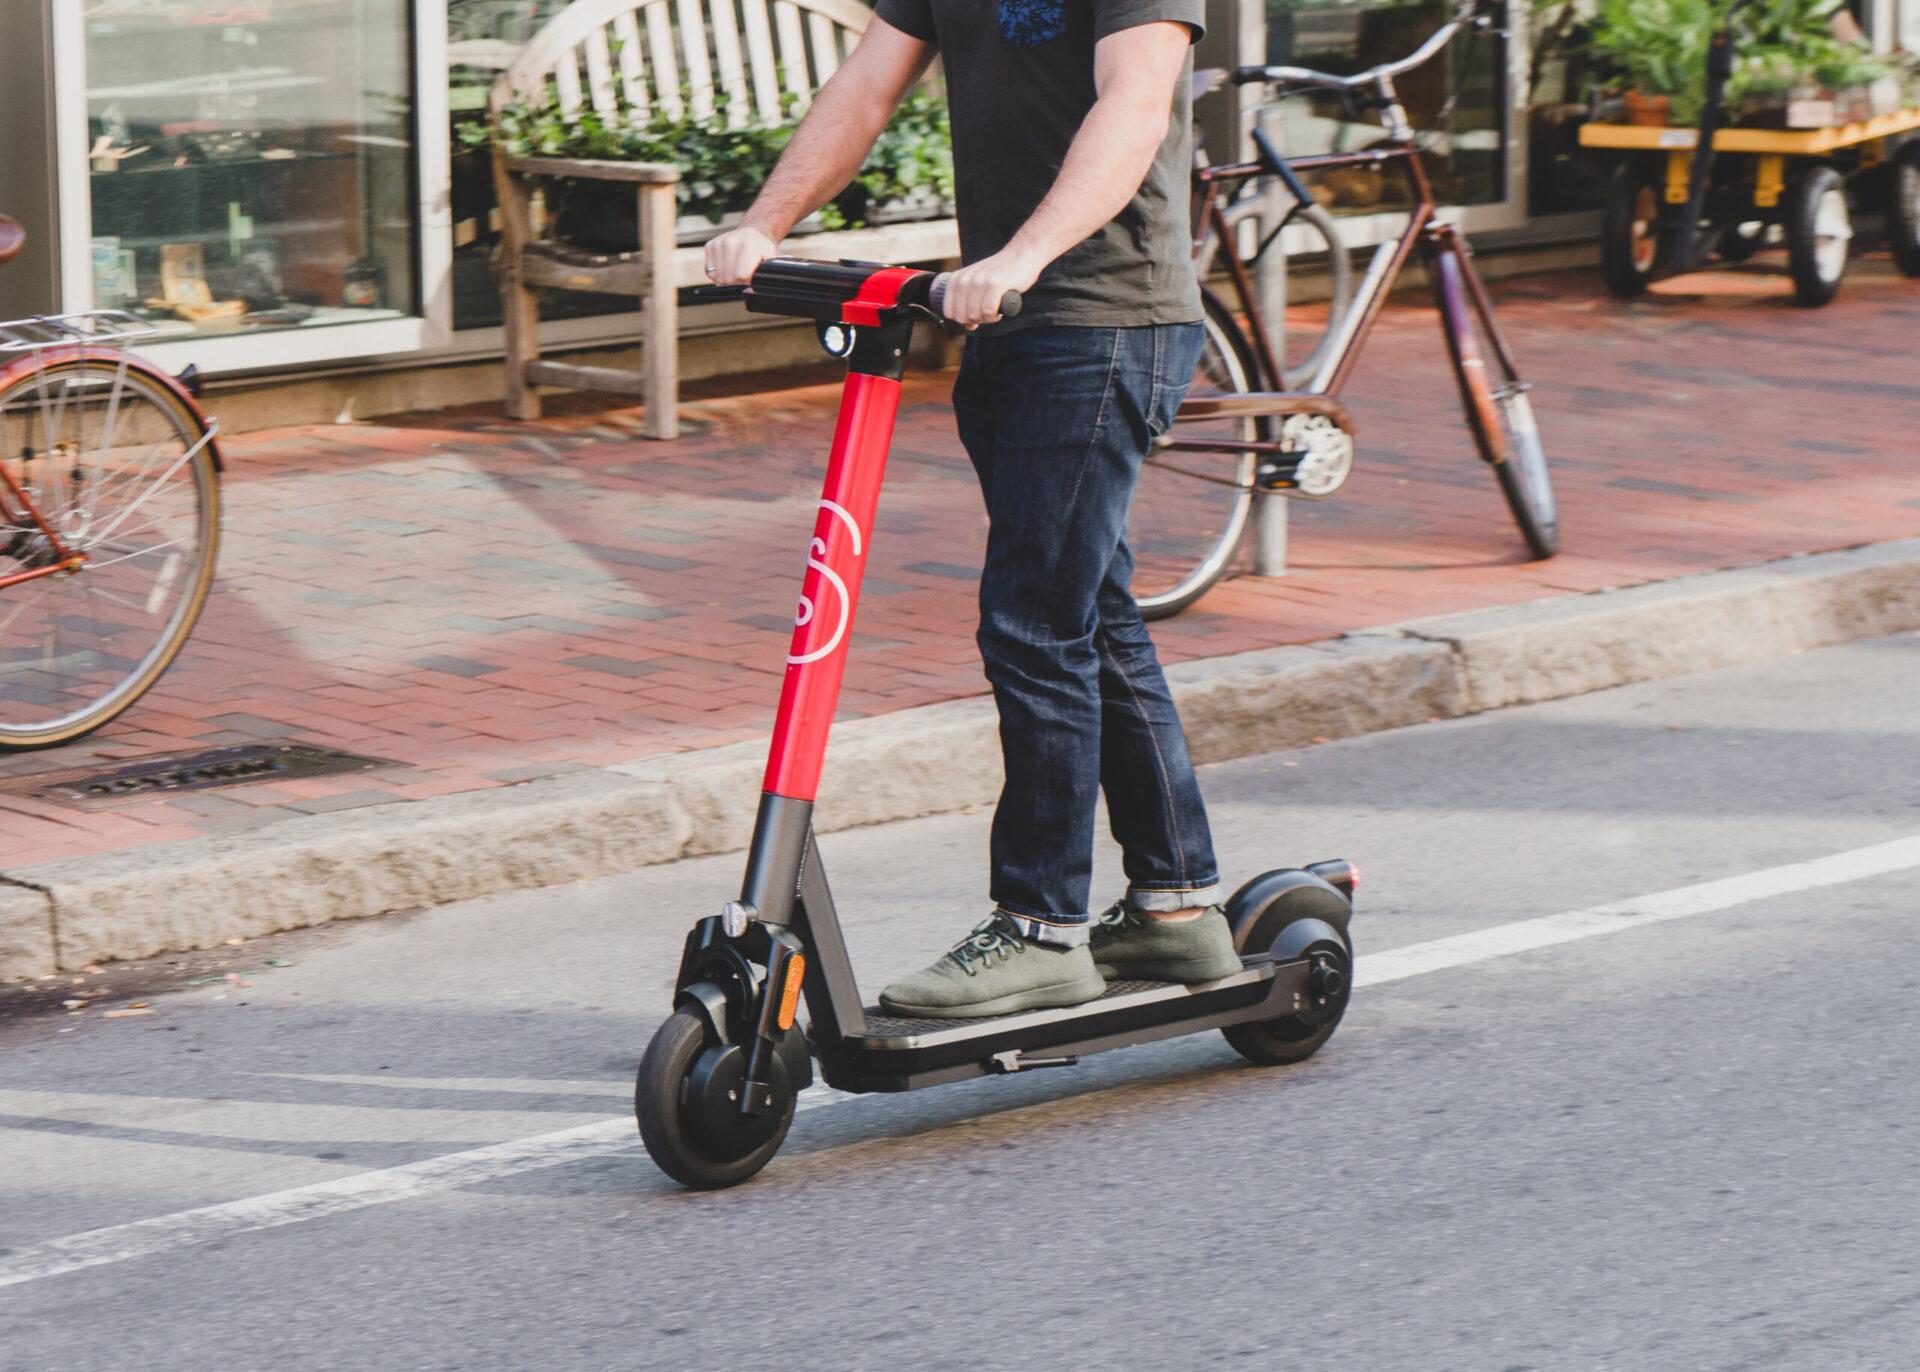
[(830, 591)]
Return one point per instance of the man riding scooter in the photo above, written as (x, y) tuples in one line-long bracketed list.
[(1071, 128)]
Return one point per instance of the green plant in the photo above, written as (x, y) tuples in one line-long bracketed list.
[(1658, 47), (721, 167)]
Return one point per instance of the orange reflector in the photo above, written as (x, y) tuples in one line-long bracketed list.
[(790, 993)]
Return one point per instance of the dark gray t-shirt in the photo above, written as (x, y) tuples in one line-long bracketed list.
[(1019, 84)]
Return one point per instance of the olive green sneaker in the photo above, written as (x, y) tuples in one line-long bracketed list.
[(1127, 945), (994, 971)]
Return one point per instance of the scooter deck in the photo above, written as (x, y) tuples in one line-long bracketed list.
[(895, 1053), (900, 1031)]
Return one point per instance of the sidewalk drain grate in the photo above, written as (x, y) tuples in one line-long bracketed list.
[(93, 788)]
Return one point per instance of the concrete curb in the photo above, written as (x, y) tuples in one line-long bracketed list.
[(62, 915)]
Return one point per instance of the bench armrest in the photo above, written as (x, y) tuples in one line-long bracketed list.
[(596, 169)]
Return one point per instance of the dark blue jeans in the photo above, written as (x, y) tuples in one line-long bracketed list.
[(1057, 421)]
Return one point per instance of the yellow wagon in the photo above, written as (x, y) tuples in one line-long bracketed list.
[(1805, 180)]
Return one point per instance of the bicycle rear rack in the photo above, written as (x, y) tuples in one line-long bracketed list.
[(93, 328)]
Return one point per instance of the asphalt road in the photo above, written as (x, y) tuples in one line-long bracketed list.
[(1691, 1144)]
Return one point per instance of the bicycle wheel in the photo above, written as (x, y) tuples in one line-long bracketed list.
[(1495, 399), (1191, 507), (111, 473)]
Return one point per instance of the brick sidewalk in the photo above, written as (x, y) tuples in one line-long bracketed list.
[(485, 602)]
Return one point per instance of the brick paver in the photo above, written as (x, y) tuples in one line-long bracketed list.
[(482, 602)]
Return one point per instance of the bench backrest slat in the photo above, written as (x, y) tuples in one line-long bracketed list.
[(760, 57), (732, 72), (633, 77), (793, 52), (826, 47), (600, 73), (643, 53), (661, 61), (693, 37)]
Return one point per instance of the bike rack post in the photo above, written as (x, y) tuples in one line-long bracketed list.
[(1270, 507)]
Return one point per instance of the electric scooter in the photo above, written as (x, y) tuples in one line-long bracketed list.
[(717, 1086)]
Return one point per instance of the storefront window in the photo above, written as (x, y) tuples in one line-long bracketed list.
[(1456, 101), (252, 161)]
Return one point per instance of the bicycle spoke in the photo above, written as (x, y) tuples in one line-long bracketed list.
[(116, 561), (119, 470)]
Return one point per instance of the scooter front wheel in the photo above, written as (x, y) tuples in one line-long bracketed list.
[(686, 1100)]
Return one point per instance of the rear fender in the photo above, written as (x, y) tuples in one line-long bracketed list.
[(1274, 901)]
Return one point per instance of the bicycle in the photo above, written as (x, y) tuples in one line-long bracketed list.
[(109, 519), (1250, 424)]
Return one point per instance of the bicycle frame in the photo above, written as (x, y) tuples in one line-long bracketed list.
[(1454, 291)]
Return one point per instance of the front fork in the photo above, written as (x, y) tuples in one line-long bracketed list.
[(746, 987)]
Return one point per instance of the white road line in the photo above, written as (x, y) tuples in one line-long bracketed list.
[(118, 1243), (527, 1086), (1416, 959)]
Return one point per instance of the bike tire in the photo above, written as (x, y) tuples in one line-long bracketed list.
[(1191, 514), (1497, 408), (29, 401)]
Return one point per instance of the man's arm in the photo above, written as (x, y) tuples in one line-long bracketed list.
[(826, 150), (1135, 73)]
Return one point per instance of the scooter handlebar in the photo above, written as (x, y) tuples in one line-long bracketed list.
[(1010, 304), (818, 290)]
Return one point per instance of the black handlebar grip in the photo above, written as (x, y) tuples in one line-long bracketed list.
[(1010, 303)]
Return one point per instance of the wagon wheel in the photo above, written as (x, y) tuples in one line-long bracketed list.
[(1819, 233), (1903, 214), (1630, 230)]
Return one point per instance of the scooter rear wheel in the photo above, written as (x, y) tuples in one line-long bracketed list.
[(1293, 919), (680, 1100), (1295, 1038)]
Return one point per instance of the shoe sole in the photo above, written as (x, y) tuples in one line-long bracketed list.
[(1190, 971), (1040, 998)]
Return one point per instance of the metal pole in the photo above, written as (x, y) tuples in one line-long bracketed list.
[(1270, 507)]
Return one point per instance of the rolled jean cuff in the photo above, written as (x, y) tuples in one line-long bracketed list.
[(1165, 900), (1061, 931)]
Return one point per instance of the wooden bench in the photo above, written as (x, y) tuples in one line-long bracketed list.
[(639, 55)]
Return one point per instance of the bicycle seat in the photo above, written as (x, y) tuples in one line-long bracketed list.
[(12, 239)]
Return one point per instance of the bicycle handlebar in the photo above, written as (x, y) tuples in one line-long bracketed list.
[(821, 290), (1306, 78)]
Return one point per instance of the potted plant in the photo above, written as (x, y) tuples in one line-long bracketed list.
[(1657, 50)]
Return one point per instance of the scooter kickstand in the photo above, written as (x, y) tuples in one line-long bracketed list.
[(1013, 1060)]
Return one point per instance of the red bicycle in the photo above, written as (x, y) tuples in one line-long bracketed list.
[(1242, 431), (109, 520)]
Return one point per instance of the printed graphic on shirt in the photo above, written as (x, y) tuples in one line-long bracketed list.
[(1032, 22)]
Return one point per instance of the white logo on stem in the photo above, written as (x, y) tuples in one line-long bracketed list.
[(816, 553)]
